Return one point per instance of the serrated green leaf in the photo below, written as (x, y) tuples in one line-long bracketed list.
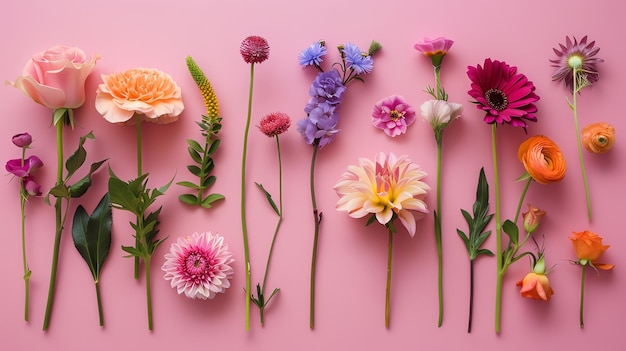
[(189, 199), (209, 200), (268, 196)]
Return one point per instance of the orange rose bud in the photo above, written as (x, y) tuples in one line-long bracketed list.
[(536, 286), (532, 219), (542, 159), (598, 137), (588, 247)]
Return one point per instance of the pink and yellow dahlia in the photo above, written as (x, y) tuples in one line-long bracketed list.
[(387, 187)]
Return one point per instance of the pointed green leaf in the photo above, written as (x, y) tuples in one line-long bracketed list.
[(60, 191), (99, 231), (195, 170), (511, 230), (195, 146), (269, 198), (188, 185), (79, 235), (214, 145), (57, 116), (209, 200), (195, 156)]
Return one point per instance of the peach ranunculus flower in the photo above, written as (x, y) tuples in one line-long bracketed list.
[(542, 159), (598, 137), (588, 247), (385, 187), (148, 92), (532, 218), (55, 78)]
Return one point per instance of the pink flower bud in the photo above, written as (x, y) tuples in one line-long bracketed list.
[(532, 219), (22, 140)]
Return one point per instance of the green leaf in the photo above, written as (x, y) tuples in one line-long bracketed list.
[(189, 199), (524, 176), (78, 157), (57, 116), (511, 230), (269, 198), (195, 156), (195, 146), (132, 251), (92, 234), (206, 203), (60, 191), (476, 235), (188, 185), (370, 220), (214, 145), (195, 170)]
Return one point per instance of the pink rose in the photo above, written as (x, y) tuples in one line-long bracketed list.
[(56, 77)]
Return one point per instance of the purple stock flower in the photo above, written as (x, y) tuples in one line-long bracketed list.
[(326, 88), (360, 61), (312, 56), (22, 140), (16, 168), (30, 186)]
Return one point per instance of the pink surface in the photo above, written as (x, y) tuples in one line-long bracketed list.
[(352, 259)]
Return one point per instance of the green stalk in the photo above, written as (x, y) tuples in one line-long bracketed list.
[(388, 289), (471, 297), (100, 314), (139, 173), (146, 261), (500, 271), (244, 227), (202, 175), (438, 82), (582, 295), (579, 143), (278, 223), (23, 196), (521, 199), (317, 218), (58, 228), (438, 138)]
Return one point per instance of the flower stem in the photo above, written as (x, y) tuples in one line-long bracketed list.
[(317, 217), (139, 173), (388, 290), (146, 261), (23, 195), (244, 227), (521, 199), (471, 297), (100, 314), (439, 93), (579, 143), (58, 227), (582, 295), (278, 223), (500, 271), (438, 137)]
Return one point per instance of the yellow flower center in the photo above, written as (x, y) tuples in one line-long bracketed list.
[(575, 61), (396, 115)]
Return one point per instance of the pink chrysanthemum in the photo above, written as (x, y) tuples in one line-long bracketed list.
[(579, 56), (199, 265), (393, 115), (274, 124), (254, 49), (505, 95), (386, 187)]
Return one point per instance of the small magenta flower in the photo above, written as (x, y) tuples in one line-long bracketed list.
[(436, 48), (199, 265), (393, 115), (22, 140), (579, 56), (274, 124), (312, 56), (254, 49), (24, 168), (31, 187)]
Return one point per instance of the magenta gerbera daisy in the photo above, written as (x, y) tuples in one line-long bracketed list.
[(199, 265), (505, 95), (579, 56)]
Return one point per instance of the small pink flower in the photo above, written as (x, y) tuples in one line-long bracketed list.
[(436, 48), (440, 113), (22, 169), (31, 187), (22, 140), (254, 49), (199, 265), (393, 115), (274, 124)]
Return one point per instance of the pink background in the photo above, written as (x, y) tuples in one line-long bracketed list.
[(352, 259)]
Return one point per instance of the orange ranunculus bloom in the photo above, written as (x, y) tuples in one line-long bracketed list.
[(598, 137), (588, 247), (542, 159), (536, 286)]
